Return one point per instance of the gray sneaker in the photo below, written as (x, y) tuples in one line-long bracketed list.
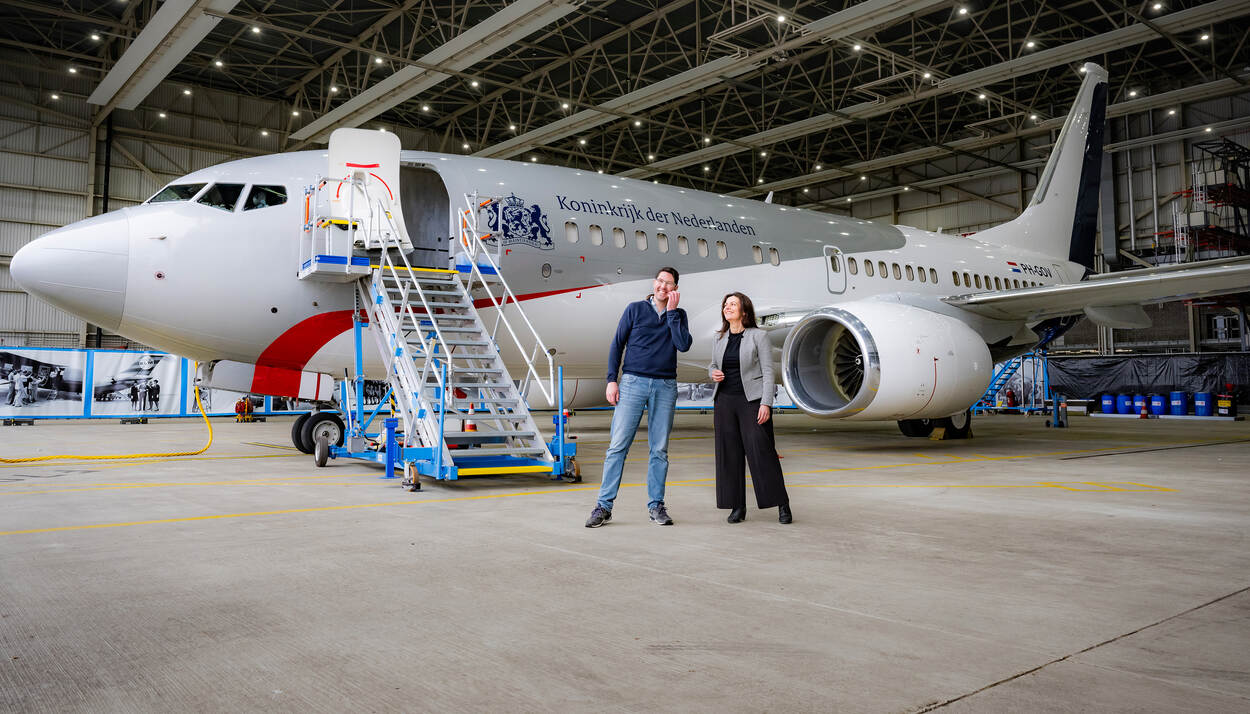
[(659, 515), (598, 517)]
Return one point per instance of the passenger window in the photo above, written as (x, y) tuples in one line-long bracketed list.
[(570, 231), (852, 267), (264, 197), (222, 195), (898, 274), (683, 245), (834, 264), (183, 192), (618, 237), (1016, 281), (661, 242), (640, 239), (922, 274), (868, 270), (911, 274), (702, 248), (596, 235), (978, 279), (933, 275), (883, 269), (955, 277), (968, 281), (998, 285), (987, 282), (757, 253), (722, 250), (774, 257)]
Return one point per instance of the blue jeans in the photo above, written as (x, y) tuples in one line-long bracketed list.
[(659, 398)]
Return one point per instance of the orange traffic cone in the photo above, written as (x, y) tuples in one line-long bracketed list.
[(1144, 413)]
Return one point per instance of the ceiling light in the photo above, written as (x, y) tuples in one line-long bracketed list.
[(57, 96), (1030, 44), (1208, 129), (963, 11), (707, 140), (907, 188), (818, 167), (334, 89), (857, 48), (1082, 69), (637, 123), (377, 60), (425, 107), (263, 132), (95, 36), (1171, 112), (186, 92), (1157, 6), (759, 181), (1132, 92), (473, 83), (465, 147), (781, 18), (218, 63), (650, 157), (1204, 37), (381, 128), (980, 96), (848, 200), (863, 178), (1033, 117), (255, 30), (600, 170), (707, 168), (512, 127), (582, 142), (73, 70), (804, 190), (533, 159), (294, 113), (763, 153), (927, 75), (161, 115)]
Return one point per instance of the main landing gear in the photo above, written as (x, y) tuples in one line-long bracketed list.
[(955, 426), (308, 427)]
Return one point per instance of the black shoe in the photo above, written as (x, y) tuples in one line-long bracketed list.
[(783, 514), (737, 515), (659, 515)]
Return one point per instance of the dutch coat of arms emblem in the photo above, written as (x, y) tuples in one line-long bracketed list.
[(520, 223)]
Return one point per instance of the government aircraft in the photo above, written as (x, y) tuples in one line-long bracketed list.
[(871, 321)]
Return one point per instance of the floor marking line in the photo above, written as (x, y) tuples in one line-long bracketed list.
[(937, 705), (285, 511), (123, 462), (1179, 445)]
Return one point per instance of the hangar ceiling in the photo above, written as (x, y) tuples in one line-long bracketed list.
[(737, 97)]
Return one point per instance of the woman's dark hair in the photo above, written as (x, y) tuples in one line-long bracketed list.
[(672, 271), (748, 312)]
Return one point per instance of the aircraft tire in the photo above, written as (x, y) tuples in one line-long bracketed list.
[(958, 426), (322, 423), (297, 433), (321, 450), (916, 427)]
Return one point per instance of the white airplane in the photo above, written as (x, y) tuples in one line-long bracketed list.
[(872, 322)]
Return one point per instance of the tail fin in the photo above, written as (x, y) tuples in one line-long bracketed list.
[(1061, 219)]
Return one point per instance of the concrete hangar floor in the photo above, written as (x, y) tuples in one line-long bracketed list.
[(1098, 568)]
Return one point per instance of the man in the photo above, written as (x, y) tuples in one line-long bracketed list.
[(651, 333)]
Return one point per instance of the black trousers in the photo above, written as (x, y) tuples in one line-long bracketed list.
[(738, 436)]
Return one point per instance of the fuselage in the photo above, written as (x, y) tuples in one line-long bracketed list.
[(209, 283)]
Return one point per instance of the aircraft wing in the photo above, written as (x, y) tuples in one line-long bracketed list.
[(1112, 299)]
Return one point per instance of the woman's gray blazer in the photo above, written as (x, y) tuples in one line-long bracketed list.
[(755, 360)]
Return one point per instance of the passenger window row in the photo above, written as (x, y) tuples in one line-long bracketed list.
[(970, 280), (900, 272), (642, 242)]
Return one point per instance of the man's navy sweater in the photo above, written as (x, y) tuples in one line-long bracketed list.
[(651, 342)]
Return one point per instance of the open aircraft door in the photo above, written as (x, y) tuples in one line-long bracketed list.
[(835, 267)]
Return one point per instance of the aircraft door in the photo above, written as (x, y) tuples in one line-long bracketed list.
[(427, 213), (835, 267)]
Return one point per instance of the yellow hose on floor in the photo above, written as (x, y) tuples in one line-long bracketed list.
[(103, 457)]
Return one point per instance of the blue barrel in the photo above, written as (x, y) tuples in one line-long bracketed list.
[(1108, 404), (1202, 404), (1158, 405), (1176, 400), (1139, 403), (1124, 404)]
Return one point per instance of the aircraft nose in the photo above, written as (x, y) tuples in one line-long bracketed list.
[(80, 268)]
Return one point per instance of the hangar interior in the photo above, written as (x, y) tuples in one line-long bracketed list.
[(932, 114)]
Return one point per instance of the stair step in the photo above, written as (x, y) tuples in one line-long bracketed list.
[(482, 385), (502, 451)]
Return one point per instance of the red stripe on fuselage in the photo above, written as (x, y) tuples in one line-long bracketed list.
[(278, 367), (487, 302)]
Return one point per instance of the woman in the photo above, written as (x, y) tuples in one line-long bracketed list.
[(742, 368)]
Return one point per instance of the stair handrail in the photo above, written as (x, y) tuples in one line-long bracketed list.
[(473, 244)]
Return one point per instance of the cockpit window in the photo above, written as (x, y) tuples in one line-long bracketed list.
[(265, 196), (177, 192), (222, 195)]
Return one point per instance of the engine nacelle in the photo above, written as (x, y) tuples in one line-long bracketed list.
[(884, 361)]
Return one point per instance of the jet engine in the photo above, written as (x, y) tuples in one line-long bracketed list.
[(882, 361)]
